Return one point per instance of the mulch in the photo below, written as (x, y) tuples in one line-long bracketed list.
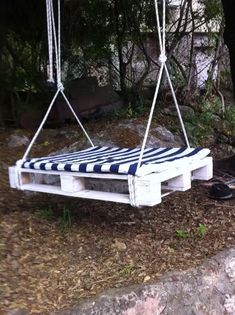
[(56, 251)]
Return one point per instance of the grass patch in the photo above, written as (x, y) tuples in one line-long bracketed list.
[(63, 218), (200, 230)]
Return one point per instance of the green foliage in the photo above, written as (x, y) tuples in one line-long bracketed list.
[(21, 48), (45, 213), (182, 234), (212, 105), (134, 111), (92, 31), (2, 289), (213, 9), (230, 115), (65, 221), (128, 112), (204, 121), (197, 130), (2, 245), (131, 110), (200, 231), (127, 270)]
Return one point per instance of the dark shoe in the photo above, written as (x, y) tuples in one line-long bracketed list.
[(220, 191)]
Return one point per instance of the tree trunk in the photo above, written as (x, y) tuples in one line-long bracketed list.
[(119, 25), (229, 34)]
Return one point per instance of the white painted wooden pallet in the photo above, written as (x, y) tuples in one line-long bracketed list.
[(137, 191)]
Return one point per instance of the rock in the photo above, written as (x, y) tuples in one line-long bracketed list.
[(158, 136), (17, 311), (147, 278), (17, 141), (31, 119), (230, 269), (103, 141), (166, 136), (3, 165), (209, 140), (120, 246), (208, 289), (227, 164), (88, 100), (186, 111), (229, 304), (131, 132), (76, 146)]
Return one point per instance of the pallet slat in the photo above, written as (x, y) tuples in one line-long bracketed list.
[(87, 194), (143, 191)]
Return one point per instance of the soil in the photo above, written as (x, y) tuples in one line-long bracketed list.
[(56, 251)]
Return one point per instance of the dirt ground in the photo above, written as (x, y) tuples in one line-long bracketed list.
[(56, 251)]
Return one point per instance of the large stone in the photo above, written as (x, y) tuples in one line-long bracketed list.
[(158, 136), (17, 141), (187, 112), (208, 289), (17, 311), (87, 99), (227, 164), (167, 137)]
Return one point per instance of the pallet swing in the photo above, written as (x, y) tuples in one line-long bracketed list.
[(135, 176)]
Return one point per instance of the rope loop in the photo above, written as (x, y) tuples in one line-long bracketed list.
[(162, 58), (50, 81), (163, 66), (60, 86), (54, 44)]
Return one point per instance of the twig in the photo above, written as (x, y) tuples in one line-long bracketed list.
[(220, 205), (125, 222), (103, 280)]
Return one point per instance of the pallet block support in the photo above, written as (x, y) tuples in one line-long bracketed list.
[(180, 183), (147, 190), (13, 177), (205, 172), (72, 183)]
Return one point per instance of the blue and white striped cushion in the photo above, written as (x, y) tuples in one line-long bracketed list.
[(116, 160)]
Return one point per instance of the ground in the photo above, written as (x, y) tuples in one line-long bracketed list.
[(56, 251)]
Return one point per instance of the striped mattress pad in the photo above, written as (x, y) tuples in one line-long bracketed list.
[(116, 160)]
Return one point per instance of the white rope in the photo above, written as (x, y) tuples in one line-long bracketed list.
[(56, 49), (151, 115), (50, 41), (177, 106), (76, 117), (45, 118), (158, 25), (59, 80), (162, 60), (51, 29), (132, 190), (41, 126), (164, 29)]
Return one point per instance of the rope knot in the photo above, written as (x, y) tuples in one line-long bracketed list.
[(162, 58), (51, 85), (60, 86)]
